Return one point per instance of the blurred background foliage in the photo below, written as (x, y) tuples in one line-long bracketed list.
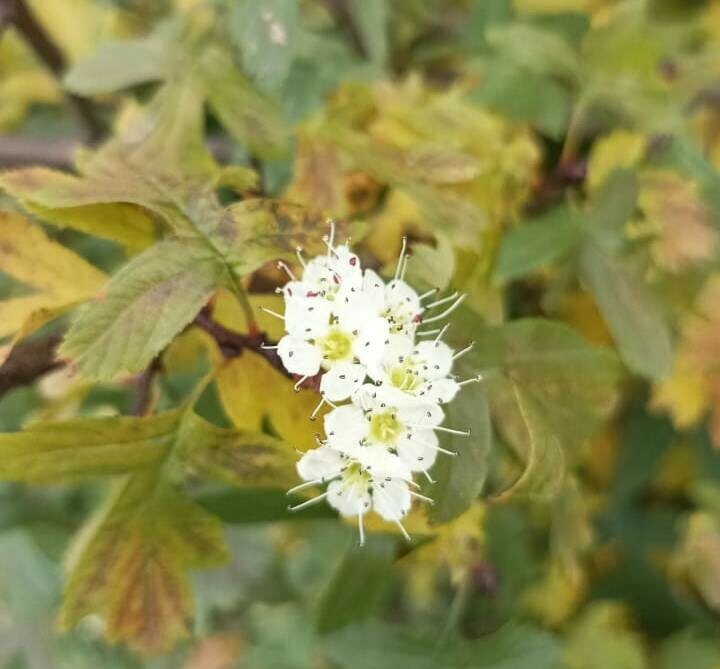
[(557, 160)]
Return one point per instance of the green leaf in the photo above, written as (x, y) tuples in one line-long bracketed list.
[(371, 18), (524, 96), (148, 302), (238, 457), (253, 505), (250, 118), (380, 646), (51, 452), (631, 311), (358, 586), (611, 209), (549, 390), (689, 648), (117, 65), (265, 34), (460, 479), (538, 50), (130, 564), (537, 243), (432, 265)]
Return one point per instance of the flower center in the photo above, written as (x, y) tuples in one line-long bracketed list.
[(355, 475), (385, 428), (403, 377), (336, 347)]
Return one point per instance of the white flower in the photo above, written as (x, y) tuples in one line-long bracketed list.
[(353, 489), (386, 428), (420, 369), (338, 347)]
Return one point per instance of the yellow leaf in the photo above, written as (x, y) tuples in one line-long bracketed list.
[(551, 6), (228, 312), (62, 277), (252, 391), (684, 394), (621, 149), (555, 598), (130, 564)]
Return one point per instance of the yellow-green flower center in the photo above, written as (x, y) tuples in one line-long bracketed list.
[(403, 377), (385, 428), (336, 347), (354, 474)]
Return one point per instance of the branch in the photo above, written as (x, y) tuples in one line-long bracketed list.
[(28, 361), (232, 344), (17, 13), (343, 15), (143, 398)]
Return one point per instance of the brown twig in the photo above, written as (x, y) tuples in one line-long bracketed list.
[(144, 395), (17, 13), (28, 361), (343, 15), (232, 344)]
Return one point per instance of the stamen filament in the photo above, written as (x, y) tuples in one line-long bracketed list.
[(265, 347), (462, 352), (474, 379), (430, 292), (272, 313), (310, 502), (361, 529), (428, 332), (281, 265), (448, 311), (301, 380), (443, 330), (401, 258), (429, 500), (404, 531), (427, 476), (443, 300), (298, 253)]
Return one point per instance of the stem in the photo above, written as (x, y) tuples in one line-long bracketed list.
[(28, 361), (457, 608), (143, 399), (19, 15)]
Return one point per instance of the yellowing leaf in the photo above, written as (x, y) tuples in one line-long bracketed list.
[(238, 457), (61, 277), (698, 558), (238, 381), (684, 394), (551, 6), (228, 312), (51, 452), (130, 564), (147, 303), (555, 598), (621, 149)]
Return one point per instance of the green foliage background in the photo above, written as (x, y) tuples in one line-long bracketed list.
[(556, 160)]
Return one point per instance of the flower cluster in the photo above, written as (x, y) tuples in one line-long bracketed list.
[(383, 372)]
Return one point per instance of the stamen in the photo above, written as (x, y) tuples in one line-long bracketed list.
[(404, 266), (430, 292), (302, 380), (427, 476), (436, 448), (281, 265), (298, 253), (469, 347), (323, 400), (443, 330), (331, 223), (404, 531), (474, 379), (443, 300), (272, 313), (401, 259), (361, 529), (310, 502), (448, 311), (428, 332), (302, 486), (265, 347), (422, 497)]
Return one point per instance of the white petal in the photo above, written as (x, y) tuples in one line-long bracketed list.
[(439, 390), (420, 412), (374, 287), (436, 357), (345, 427), (307, 317), (316, 271), (298, 356), (347, 265), (349, 499), (370, 342), (354, 308), (391, 499), (418, 456), (342, 380), (320, 463)]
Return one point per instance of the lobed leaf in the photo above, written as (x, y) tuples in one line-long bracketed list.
[(130, 564), (147, 303)]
